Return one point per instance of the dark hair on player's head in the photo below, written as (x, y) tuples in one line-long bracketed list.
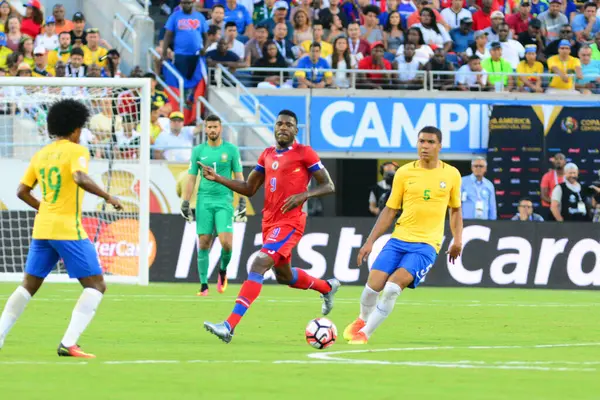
[(434, 130), (289, 113), (65, 116), (230, 24), (212, 118)]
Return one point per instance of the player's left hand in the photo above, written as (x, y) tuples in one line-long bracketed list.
[(293, 202), (454, 252)]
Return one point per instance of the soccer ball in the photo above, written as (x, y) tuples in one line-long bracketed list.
[(321, 333)]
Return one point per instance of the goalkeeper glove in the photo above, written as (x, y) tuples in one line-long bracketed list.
[(240, 213), (186, 213)]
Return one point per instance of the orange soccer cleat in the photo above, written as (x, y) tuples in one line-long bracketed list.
[(359, 338), (73, 351), (353, 329), (202, 293), (222, 282)]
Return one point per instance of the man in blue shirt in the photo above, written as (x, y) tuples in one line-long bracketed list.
[(590, 70), (463, 36), (279, 17), (320, 71), (478, 193), (239, 14), (185, 29), (586, 25)]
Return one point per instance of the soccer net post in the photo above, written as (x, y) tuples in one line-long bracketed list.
[(118, 137)]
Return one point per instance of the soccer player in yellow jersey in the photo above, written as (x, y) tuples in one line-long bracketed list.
[(423, 190), (60, 168)]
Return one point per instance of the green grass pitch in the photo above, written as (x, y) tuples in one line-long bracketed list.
[(438, 344)]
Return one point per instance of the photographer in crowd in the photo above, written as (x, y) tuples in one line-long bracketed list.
[(383, 188), (568, 200)]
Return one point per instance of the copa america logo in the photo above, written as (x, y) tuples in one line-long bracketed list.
[(569, 124)]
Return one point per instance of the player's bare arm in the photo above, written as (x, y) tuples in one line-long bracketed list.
[(456, 226), (384, 221), (247, 188), (24, 193), (324, 187), (86, 183)]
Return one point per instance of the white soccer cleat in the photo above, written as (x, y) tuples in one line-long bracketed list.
[(328, 298)]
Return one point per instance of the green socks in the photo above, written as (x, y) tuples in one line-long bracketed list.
[(225, 257), (203, 265)]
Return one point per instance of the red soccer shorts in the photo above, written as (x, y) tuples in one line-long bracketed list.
[(278, 243)]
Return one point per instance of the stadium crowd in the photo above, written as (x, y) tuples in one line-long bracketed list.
[(482, 41)]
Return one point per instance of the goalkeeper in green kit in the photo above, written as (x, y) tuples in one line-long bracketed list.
[(214, 204)]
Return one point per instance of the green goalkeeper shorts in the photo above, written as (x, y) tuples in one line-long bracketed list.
[(213, 215)]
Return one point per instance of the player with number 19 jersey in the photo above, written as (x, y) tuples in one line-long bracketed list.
[(287, 172)]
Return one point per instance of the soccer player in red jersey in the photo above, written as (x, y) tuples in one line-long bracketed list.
[(286, 170)]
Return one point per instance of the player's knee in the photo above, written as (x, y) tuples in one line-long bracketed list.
[(261, 264), (204, 242), (227, 247), (100, 286), (391, 291)]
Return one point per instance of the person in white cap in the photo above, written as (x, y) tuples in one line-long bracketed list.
[(568, 201), (497, 19), (41, 68)]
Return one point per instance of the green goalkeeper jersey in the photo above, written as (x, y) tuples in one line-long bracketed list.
[(225, 159)]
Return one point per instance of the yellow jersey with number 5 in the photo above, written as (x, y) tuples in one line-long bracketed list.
[(52, 168), (424, 195)]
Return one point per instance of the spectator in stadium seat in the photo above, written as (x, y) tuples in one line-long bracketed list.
[(41, 68), (254, 47), (538, 7), (563, 65), (175, 144), (434, 33), (423, 52), (478, 193), (471, 76), (320, 74), (326, 14), (596, 47), (93, 53), (94, 71), (155, 127), (482, 19), (454, 14), (24, 69), (78, 33), (519, 21), (34, 18), (350, 8), (326, 48), (337, 29), (158, 97), (492, 30), (185, 29), (568, 200), (393, 35), (408, 77), (221, 55), (5, 11), (285, 46), (217, 17), (440, 63), (340, 62), (26, 48), (279, 17), (212, 36), (128, 140), (586, 25), (13, 33), (241, 16), (566, 33), (463, 36), (359, 48), (271, 58), (263, 10), (406, 8), (302, 27), (590, 70), (552, 21), (62, 24), (75, 67), (4, 51), (415, 17), (60, 69), (113, 62), (533, 37), (233, 44), (63, 52), (48, 39), (371, 31), (512, 51), (374, 62), (530, 65), (12, 63), (496, 64), (525, 212)]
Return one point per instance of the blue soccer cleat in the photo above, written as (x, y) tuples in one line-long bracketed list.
[(220, 330), (328, 298)]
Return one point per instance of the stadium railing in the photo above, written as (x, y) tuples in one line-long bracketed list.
[(152, 58), (447, 80), (132, 48)]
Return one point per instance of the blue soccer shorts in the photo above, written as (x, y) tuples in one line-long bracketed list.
[(79, 256), (416, 258)]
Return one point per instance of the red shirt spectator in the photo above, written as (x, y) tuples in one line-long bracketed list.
[(448, 3), (34, 18), (368, 63), (554, 177), (519, 22), (495, 4), (482, 20)]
